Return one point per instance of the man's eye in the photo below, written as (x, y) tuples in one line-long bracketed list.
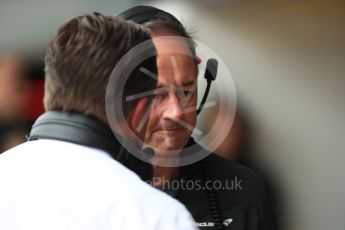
[(159, 95), (183, 94), (187, 92)]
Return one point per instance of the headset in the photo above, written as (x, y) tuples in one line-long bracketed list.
[(143, 14), (88, 131)]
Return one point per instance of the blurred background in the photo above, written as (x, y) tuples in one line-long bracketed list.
[(287, 59)]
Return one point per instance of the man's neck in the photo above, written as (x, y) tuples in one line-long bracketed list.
[(162, 175)]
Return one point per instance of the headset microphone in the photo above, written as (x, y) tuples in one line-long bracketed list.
[(210, 75)]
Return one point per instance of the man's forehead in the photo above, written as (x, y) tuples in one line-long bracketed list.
[(171, 45), (168, 62), (174, 69), (175, 62)]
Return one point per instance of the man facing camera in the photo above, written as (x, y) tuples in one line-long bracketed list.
[(220, 194), (66, 176)]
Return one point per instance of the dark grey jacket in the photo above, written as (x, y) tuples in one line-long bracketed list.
[(222, 194)]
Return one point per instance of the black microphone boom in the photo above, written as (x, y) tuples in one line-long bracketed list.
[(210, 75)]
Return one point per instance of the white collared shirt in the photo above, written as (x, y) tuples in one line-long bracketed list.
[(49, 184)]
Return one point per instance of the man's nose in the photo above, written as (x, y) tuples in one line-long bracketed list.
[(173, 110)]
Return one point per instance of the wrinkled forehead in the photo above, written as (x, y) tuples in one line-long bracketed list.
[(174, 60), (169, 45)]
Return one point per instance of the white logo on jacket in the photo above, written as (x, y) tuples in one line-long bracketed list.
[(226, 223)]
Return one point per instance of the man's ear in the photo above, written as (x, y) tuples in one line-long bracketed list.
[(136, 120)]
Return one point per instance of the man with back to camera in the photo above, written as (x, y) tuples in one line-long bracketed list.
[(169, 130), (65, 177)]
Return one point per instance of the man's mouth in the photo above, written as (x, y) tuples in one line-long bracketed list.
[(171, 129), (175, 128)]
